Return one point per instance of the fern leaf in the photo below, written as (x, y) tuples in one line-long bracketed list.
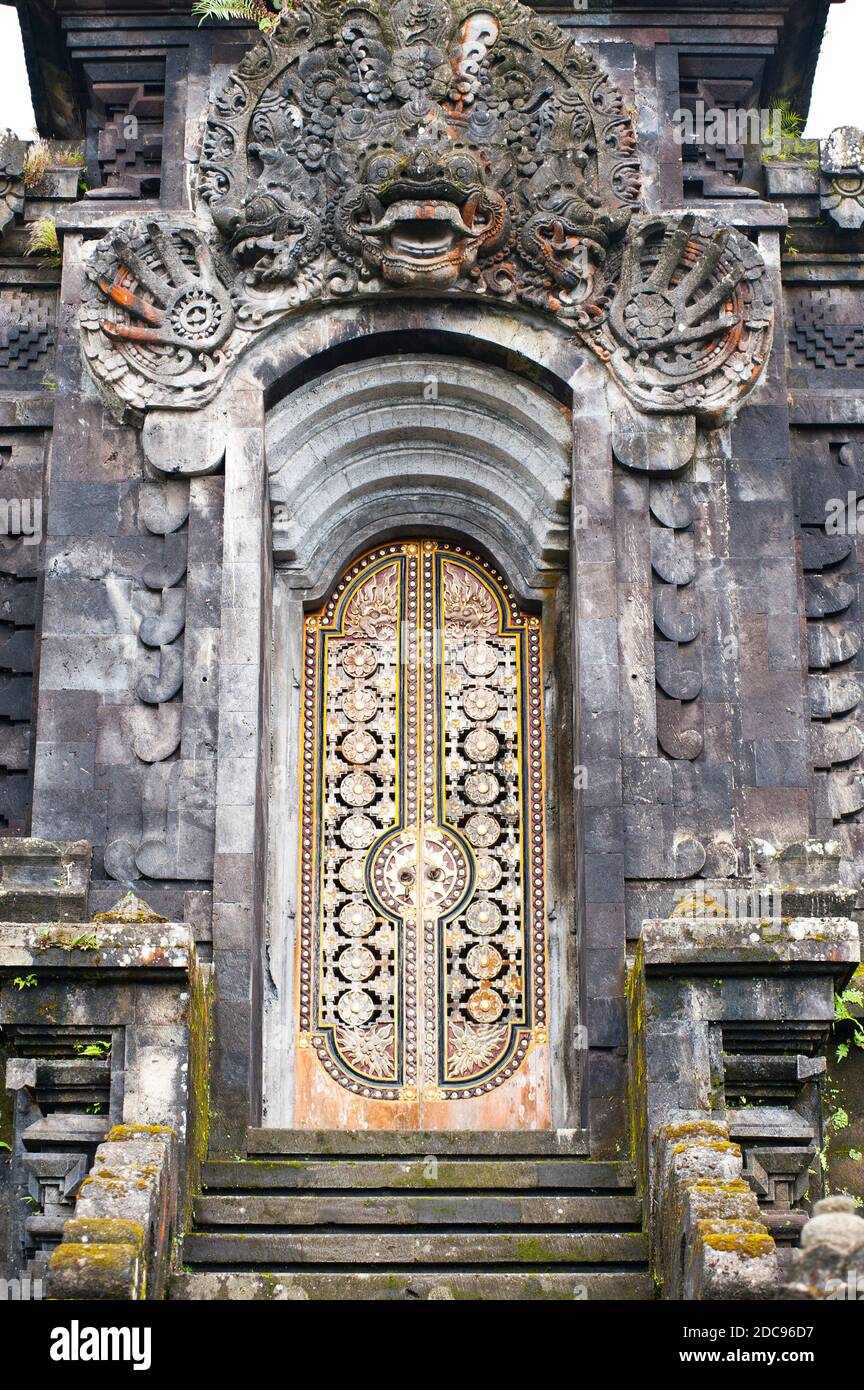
[(256, 11)]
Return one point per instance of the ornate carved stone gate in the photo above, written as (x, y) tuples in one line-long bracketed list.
[(446, 169)]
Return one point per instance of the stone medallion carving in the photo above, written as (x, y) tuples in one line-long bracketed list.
[(430, 147), (157, 315)]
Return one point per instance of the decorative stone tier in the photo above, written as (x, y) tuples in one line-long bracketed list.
[(103, 1023), (728, 1021)]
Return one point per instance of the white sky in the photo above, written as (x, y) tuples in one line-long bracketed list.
[(837, 94), (838, 98)]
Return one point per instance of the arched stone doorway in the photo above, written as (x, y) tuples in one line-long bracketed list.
[(460, 471)]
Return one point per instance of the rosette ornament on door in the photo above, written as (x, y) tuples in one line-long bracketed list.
[(421, 964)]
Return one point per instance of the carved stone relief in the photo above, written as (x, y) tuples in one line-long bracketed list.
[(842, 170), (429, 148), (834, 639), (677, 658)]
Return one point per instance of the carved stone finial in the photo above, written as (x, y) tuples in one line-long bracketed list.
[(842, 166), (431, 148), (131, 909), (830, 1261)]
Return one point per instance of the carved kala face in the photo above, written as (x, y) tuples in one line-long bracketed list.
[(427, 145), (423, 220)]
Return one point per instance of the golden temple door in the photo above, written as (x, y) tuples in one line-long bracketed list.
[(421, 960)]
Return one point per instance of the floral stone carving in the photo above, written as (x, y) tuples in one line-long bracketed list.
[(431, 147)]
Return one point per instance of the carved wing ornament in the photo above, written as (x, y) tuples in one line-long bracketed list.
[(434, 147)]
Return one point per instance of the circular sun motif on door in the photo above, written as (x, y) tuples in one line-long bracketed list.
[(406, 868)]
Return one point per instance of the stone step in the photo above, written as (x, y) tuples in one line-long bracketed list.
[(270, 1249), (462, 1209), (417, 1142), (629, 1285), (576, 1175)]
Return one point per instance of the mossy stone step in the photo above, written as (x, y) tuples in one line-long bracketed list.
[(461, 1209), (219, 1249), (631, 1285), (417, 1142), (580, 1175)]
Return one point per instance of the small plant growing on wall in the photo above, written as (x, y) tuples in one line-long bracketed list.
[(43, 241), (265, 13)]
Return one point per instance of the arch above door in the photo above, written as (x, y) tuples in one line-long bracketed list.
[(419, 441)]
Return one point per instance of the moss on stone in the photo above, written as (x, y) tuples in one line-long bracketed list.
[(130, 909), (749, 1239), (696, 1129), (103, 1230), (121, 1132)]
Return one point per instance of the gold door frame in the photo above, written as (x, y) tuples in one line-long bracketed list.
[(421, 962)]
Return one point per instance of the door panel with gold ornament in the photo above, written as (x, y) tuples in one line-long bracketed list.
[(421, 960)]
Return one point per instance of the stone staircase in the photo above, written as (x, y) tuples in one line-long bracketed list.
[(428, 1215)]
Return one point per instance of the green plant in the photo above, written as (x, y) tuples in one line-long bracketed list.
[(43, 240), (41, 157), (265, 13), (6, 1148), (69, 159), (36, 162), (843, 1014), (100, 1048), (791, 124), (25, 982), (95, 1108), (90, 942)]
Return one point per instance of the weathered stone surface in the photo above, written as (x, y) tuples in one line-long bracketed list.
[(476, 1247), (87, 946), (842, 166), (708, 995), (831, 941), (474, 1173), (830, 1261), (512, 1286), (41, 880), (416, 1141), (119, 1243), (428, 1210)]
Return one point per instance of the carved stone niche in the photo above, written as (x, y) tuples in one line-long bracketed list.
[(434, 149)]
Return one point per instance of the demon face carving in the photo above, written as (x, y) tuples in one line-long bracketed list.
[(424, 219)]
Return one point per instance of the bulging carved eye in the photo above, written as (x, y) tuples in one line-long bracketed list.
[(434, 874), (379, 168), (462, 169), (406, 876)]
